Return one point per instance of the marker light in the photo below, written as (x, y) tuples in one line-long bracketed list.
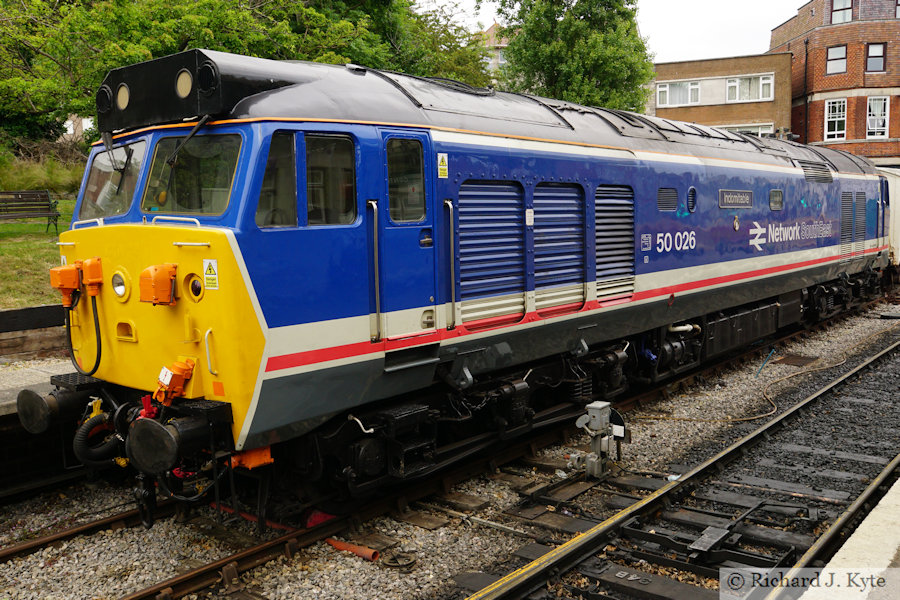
[(123, 96), (184, 82)]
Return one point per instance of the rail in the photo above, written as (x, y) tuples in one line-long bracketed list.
[(567, 556)]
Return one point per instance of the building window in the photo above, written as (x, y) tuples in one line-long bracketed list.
[(877, 117), (836, 119), (837, 60), (750, 89), (841, 11), (875, 57), (678, 93), (897, 13)]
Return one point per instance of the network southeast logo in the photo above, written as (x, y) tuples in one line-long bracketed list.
[(776, 233)]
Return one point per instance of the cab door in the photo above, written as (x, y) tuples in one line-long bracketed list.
[(406, 254)]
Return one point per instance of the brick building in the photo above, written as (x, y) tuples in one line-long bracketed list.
[(845, 75), (495, 45), (743, 93)]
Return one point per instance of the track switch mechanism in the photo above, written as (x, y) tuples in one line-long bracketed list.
[(605, 425)]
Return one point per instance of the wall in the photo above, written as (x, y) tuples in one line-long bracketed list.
[(713, 74)]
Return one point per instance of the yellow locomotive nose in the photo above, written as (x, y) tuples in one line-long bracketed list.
[(176, 301)]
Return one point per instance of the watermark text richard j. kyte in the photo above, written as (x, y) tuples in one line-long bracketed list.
[(739, 584)]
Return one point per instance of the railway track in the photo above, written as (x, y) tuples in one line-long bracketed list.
[(785, 496), (128, 518), (229, 568), (31, 463)]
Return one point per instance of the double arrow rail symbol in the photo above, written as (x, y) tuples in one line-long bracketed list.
[(758, 238)]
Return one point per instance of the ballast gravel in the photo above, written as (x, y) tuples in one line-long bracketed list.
[(114, 563)]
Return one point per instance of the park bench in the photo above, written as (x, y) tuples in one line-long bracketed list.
[(31, 204)]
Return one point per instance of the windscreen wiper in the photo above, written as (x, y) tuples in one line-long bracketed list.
[(129, 151), (171, 160), (174, 156)]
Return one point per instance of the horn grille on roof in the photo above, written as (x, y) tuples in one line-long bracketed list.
[(816, 171)]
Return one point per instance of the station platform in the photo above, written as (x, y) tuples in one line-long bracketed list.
[(872, 548), (33, 374)]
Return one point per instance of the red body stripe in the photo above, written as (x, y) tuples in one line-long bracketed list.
[(299, 359)]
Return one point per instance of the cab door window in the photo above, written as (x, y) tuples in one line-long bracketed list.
[(277, 205), (406, 180)]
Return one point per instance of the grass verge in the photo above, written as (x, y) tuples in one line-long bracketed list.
[(26, 254)]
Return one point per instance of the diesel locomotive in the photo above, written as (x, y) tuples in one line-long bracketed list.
[(361, 276)]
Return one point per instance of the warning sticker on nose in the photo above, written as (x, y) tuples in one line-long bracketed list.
[(210, 273)]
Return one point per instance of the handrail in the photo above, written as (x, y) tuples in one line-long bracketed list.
[(449, 204), (179, 244), (208, 358), (99, 222), (374, 205), (193, 220)]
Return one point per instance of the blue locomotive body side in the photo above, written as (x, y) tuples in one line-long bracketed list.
[(325, 272), (509, 246)]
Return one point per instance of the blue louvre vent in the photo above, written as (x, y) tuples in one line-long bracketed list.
[(667, 199), (846, 225), (614, 230), (559, 255), (491, 250), (859, 224)]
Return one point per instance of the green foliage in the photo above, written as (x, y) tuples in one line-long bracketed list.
[(56, 53), (47, 174), (584, 51)]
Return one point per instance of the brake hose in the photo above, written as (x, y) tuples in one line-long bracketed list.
[(96, 335)]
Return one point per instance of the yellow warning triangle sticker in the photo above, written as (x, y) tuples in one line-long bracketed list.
[(443, 161), (210, 270)]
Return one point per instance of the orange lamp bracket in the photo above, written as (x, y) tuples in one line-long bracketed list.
[(92, 275), (67, 279), (157, 283), (171, 381)]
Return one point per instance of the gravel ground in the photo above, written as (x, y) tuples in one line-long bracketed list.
[(110, 564), (60, 509)]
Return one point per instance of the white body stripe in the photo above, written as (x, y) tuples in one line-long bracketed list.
[(495, 141), (353, 330)]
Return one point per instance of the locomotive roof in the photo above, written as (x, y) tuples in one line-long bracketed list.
[(239, 87)]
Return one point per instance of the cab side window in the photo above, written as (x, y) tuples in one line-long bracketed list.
[(278, 197), (330, 180)]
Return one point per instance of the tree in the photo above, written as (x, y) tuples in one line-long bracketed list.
[(424, 42), (55, 53), (584, 51)]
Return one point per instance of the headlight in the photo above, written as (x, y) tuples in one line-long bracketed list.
[(118, 285)]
